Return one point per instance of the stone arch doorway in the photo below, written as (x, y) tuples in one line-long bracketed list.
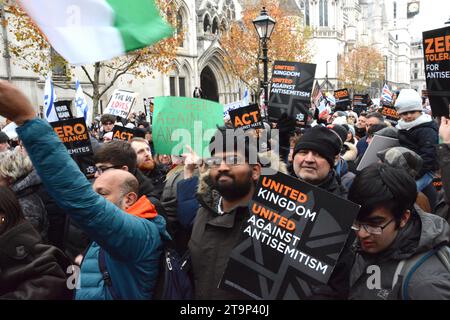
[(208, 84)]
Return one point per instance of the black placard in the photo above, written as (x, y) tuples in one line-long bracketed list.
[(291, 87), (75, 136), (126, 134), (342, 99), (436, 48), (292, 240), (390, 113), (248, 117), (62, 109)]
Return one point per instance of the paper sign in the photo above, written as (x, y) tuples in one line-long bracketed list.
[(231, 106), (120, 103), (181, 121)]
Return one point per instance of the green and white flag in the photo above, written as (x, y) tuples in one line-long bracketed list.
[(87, 31)]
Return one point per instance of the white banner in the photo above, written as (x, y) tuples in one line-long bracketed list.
[(121, 103)]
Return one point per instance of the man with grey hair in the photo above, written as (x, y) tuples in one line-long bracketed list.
[(17, 173)]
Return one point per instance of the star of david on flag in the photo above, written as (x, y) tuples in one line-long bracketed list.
[(246, 98), (81, 105)]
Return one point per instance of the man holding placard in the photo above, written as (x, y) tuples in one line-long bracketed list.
[(218, 223)]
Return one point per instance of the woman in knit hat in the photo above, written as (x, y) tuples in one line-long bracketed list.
[(417, 131)]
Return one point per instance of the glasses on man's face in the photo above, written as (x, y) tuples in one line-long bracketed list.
[(99, 170), (108, 124), (376, 230), (233, 160)]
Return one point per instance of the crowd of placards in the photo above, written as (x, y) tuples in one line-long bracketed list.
[(314, 196)]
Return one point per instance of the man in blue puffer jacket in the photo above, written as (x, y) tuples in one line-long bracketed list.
[(132, 245)]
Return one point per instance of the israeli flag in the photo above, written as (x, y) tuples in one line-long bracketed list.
[(82, 107), (246, 98), (331, 99), (49, 100)]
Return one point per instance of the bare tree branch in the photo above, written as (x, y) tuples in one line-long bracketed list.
[(88, 75), (119, 74)]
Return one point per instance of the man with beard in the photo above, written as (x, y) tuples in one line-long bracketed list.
[(224, 207), (147, 164)]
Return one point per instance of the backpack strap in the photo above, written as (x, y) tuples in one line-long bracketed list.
[(444, 255), (413, 266), (406, 268), (105, 274)]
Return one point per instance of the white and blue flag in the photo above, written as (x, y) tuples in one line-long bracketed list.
[(49, 100), (246, 98), (81, 105), (331, 99)]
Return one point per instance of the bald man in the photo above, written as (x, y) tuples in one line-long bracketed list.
[(124, 244), (119, 187)]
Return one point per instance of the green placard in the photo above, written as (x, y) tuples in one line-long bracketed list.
[(181, 121)]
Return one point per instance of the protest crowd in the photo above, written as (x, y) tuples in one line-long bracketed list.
[(118, 224), (325, 197)]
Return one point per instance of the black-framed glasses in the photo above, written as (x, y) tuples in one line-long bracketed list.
[(102, 169), (377, 230), (232, 160)]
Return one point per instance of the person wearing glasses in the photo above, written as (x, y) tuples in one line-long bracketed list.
[(391, 232), (234, 169), (107, 121)]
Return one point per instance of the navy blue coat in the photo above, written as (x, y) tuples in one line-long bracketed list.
[(422, 140)]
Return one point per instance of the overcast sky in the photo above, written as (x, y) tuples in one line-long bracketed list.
[(433, 14)]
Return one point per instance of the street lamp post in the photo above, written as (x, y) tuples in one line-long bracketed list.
[(264, 25)]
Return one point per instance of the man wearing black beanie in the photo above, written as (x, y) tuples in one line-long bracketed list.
[(314, 157)]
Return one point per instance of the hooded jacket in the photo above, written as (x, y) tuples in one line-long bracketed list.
[(422, 140), (430, 281), (29, 269), (33, 208), (132, 245)]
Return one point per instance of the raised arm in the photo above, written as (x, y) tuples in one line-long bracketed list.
[(101, 220)]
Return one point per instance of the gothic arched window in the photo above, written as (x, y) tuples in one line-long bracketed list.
[(307, 21), (323, 13)]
